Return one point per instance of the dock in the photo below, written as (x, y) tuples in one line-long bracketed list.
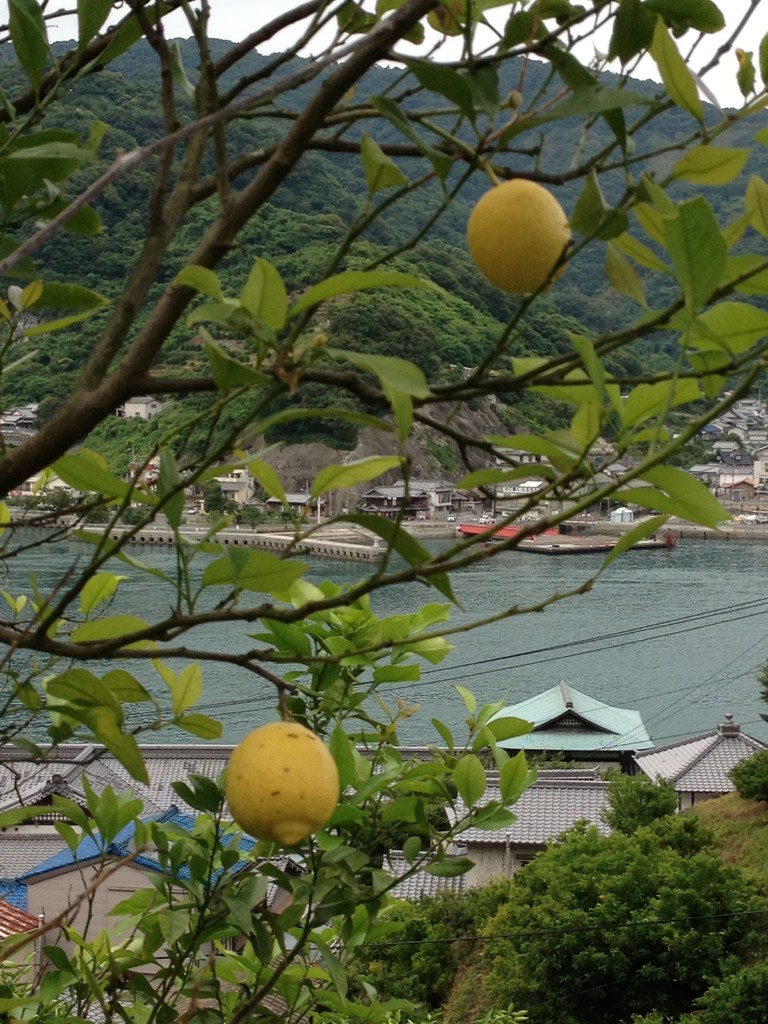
[(587, 544)]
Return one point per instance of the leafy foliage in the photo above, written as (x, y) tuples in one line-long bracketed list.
[(634, 801), (750, 776), (602, 927)]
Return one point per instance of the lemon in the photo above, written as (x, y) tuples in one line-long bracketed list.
[(282, 783), (516, 235)]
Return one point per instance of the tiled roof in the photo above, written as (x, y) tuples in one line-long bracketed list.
[(25, 781), (604, 727), (701, 764), (421, 883), (14, 921), (22, 850), (554, 803)]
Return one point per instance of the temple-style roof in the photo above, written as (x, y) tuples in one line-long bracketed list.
[(703, 763), (566, 719)]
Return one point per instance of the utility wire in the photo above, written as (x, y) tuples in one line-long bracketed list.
[(527, 933)]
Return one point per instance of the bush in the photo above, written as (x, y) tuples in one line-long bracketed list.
[(750, 777), (635, 800)]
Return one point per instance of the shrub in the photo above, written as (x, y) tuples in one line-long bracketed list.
[(750, 777)]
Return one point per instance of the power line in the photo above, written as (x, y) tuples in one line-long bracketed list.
[(527, 933)]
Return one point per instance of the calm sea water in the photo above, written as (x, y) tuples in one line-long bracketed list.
[(678, 635)]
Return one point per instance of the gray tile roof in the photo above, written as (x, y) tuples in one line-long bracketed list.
[(703, 763), (421, 884), (21, 851), (554, 803), (24, 781)]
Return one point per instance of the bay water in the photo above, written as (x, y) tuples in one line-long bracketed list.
[(678, 635)]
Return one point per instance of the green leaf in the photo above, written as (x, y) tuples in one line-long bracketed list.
[(622, 276), (264, 295), (29, 37), (332, 964), (68, 296), (228, 373), (91, 15), (250, 569), (397, 673), (647, 401), (731, 326), (356, 281), (395, 374), (268, 478), (202, 726), (698, 250), (515, 778), (169, 487), (450, 867), (79, 687), (380, 171), (628, 540), (179, 74), (756, 203), (97, 590), (439, 78), (110, 628), (469, 779), (509, 726), (677, 79), (441, 162), (186, 688), (710, 165), (344, 755), (339, 478), (640, 253), (689, 498), (202, 280), (405, 545), (469, 699), (593, 216), (632, 31), (124, 687), (87, 471), (702, 15), (445, 733), (762, 54)]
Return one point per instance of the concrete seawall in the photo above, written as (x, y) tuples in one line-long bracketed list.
[(346, 545)]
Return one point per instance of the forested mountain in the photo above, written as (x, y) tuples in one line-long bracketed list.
[(300, 233)]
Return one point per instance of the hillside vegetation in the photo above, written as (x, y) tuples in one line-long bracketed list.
[(299, 233)]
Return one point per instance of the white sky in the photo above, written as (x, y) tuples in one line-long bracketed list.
[(233, 19)]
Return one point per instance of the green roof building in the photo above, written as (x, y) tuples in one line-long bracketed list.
[(571, 724)]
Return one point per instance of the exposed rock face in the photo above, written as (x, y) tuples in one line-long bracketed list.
[(298, 464)]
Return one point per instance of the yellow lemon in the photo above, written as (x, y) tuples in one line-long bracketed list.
[(282, 783), (516, 235)]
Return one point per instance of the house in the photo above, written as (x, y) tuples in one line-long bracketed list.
[(299, 503), (558, 800), (700, 767), (419, 499), (141, 407), (237, 485), (581, 728)]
